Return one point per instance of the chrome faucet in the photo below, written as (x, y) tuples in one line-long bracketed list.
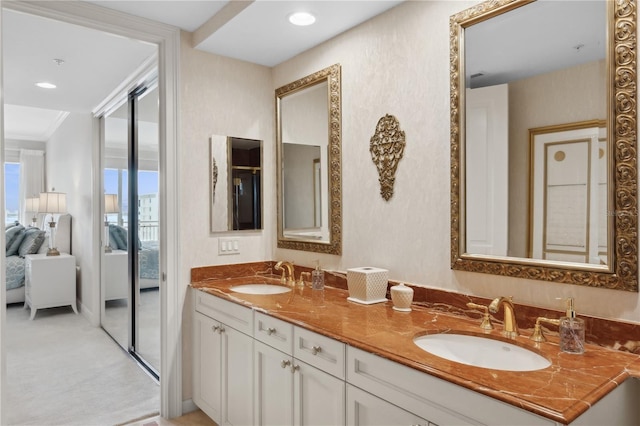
[(510, 326), (288, 273)]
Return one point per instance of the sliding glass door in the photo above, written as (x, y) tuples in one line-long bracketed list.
[(130, 290)]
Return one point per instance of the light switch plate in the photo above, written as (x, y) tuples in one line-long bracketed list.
[(228, 246)]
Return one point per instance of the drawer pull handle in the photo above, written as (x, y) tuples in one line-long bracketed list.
[(285, 363), (316, 349), (295, 368), (270, 331)]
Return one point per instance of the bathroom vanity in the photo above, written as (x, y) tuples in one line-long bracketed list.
[(310, 357)]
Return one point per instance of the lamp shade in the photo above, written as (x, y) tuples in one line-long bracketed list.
[(52, 202), (111, 203), (32, 204)]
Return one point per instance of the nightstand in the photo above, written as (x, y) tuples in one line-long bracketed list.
[(116, 281), (50, 281)]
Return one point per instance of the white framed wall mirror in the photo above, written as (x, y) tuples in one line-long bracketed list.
[(235, 166), (569, 64), (308, 122)]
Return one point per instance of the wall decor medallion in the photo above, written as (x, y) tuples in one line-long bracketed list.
[(387, 147)]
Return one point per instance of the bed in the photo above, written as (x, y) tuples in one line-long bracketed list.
[(23, 240)]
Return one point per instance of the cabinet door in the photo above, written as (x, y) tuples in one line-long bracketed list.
[(319, 398), (237, 373), (364, 409), (273, 386), (207, 366)]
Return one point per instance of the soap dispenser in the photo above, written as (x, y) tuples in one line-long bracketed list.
[(571, 331), (317, 277)]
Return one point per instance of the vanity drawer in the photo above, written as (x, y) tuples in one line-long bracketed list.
[(429, 397), (229, 313), (320, 351), (274, 332)]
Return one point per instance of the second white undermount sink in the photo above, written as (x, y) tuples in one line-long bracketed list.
[(482, 352), (264, 289)]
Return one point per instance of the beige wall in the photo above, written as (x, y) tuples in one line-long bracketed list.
[(219, 96), (561, 97), (396, 63), (69, 170)]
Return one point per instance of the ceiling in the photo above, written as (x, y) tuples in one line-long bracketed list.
[(95, 63), (540, 37)]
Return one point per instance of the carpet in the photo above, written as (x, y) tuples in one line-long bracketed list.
[(63, 371)]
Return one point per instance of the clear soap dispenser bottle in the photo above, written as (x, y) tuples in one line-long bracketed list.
[(571, 331), (317, 277)]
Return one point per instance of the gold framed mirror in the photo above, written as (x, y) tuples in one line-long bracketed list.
[(309, 162), (490, 233)]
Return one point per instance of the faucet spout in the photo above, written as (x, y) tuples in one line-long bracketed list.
[(510, 326), (288, 274)]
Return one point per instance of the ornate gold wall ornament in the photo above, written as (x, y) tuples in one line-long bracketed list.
[(622, 51), (387, 148)]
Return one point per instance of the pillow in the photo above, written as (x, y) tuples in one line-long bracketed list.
[(33, 238), (14, 237), (44, 247), (117, 237)]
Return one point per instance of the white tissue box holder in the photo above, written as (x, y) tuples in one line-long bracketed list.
[(367, 285)]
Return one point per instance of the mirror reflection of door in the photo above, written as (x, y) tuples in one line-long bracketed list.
[(569, 193), (487, 171), (302, 200), (245, 210), (130, 279)]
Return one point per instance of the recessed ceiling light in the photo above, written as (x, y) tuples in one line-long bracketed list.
[(302, 18), (45, 85)]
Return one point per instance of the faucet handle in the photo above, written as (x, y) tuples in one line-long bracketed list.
[(302, 275), (538, 334), (486, 320)]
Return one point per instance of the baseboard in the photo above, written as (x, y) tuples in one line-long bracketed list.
[(188, 406), (85, 312)]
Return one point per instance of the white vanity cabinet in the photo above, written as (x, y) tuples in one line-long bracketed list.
[(223, 360), (430, 399), (289, 391), (364, 409)]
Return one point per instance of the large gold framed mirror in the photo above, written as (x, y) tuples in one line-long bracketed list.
[(524, 204), (309, 164)]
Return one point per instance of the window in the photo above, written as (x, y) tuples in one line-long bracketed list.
[(11, 193)]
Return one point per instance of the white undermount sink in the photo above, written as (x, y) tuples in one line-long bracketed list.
[(265, 289), (481, 352)]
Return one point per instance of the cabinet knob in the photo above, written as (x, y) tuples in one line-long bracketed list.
[(270, 331), (316, 349), (215, 328), (295, 368), (221, 330), (285, 363)]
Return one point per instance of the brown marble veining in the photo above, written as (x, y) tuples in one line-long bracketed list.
[(561, 392)]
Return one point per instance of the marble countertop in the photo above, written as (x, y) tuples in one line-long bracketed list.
[(560, 392)]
